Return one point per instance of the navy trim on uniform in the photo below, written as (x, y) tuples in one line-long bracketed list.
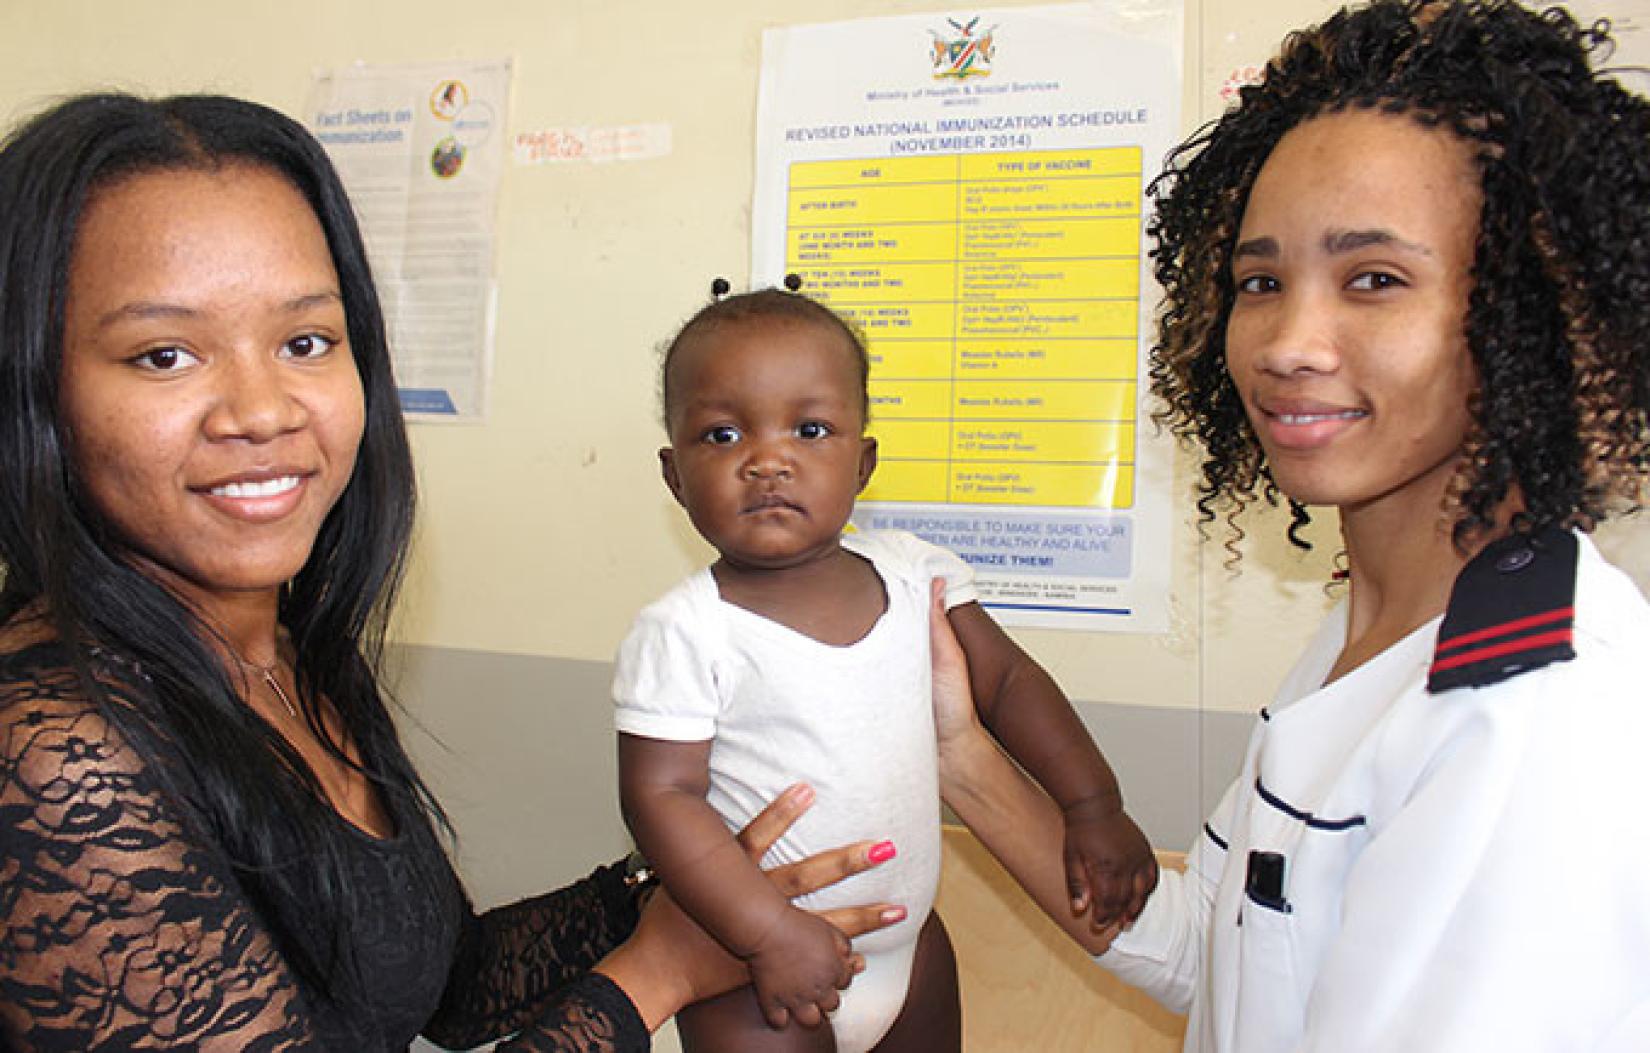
[(1306, 817), (1512, 609), (1216, 838)]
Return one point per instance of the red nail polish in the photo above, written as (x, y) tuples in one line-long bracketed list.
[(881, 852)]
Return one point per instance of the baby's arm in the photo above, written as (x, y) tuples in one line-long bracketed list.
[(798, 961), (1109, 863)]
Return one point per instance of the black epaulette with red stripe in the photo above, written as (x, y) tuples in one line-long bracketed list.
[(1512, 610)]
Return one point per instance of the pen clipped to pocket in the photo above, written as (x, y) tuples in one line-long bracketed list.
[(1265, 880)]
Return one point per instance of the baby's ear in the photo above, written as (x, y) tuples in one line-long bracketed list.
[(867, 461), (667, 469)]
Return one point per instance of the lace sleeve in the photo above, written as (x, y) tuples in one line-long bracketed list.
[(120, 927), (524, 968), (590, 1015)]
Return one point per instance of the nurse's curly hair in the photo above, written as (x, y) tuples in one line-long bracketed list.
[(1558, 321)]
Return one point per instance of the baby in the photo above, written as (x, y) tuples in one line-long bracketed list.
[(802, 654)]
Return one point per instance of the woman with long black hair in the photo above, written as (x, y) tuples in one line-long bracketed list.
[(210, 835)]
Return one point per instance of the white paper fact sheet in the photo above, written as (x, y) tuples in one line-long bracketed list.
[(421, 149), (968, 189)]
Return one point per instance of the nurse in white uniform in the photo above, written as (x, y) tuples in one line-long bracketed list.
[(1408, 278)]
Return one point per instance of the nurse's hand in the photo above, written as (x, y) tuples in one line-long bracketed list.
[(1016, 821), (956, 724), (670, 962)]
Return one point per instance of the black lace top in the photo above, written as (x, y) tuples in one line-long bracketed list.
[(124, 926)]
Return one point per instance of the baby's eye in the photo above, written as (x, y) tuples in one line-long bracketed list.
[(309, 345), (813, 429), (163, 359), (1254, 284), (1374, 281), (722, 435)]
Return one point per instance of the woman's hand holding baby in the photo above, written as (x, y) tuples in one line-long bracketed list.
[(956, 723), (670, 962), (1011, 816)]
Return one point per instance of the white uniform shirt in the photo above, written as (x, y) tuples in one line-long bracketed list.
[(1468, 870), (856, 723)]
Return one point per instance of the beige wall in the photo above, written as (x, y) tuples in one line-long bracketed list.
[(546, 528)]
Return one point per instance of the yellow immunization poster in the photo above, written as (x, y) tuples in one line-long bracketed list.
[(969, 190)]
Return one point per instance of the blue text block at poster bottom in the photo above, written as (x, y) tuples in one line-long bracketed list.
[(427, 400), (1057, 561)]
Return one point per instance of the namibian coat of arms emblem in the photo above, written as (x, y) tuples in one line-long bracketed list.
[(964, 51)]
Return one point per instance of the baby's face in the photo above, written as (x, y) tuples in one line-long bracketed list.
[(767, 447)]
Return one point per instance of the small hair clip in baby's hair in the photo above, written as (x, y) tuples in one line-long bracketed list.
[(793, 282), (719, 288)]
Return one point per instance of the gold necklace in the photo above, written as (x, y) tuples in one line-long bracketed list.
[(268, 673)]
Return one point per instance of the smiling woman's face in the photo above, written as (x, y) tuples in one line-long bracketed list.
[(1347, 340), (211, 400)]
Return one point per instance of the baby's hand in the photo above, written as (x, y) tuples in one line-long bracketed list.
[(799, 968), (1109, 863)]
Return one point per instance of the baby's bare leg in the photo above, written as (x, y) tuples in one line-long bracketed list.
[(931, 1019), (733, 1023)]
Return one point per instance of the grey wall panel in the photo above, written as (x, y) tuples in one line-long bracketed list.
[(1173, 764), (520, 751)]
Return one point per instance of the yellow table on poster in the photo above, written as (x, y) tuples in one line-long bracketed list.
[(999, 294)]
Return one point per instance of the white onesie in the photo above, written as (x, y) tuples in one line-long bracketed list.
[(856, 723)]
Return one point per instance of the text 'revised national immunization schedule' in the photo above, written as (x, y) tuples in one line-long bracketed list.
[(999, 296), (968, 189)]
